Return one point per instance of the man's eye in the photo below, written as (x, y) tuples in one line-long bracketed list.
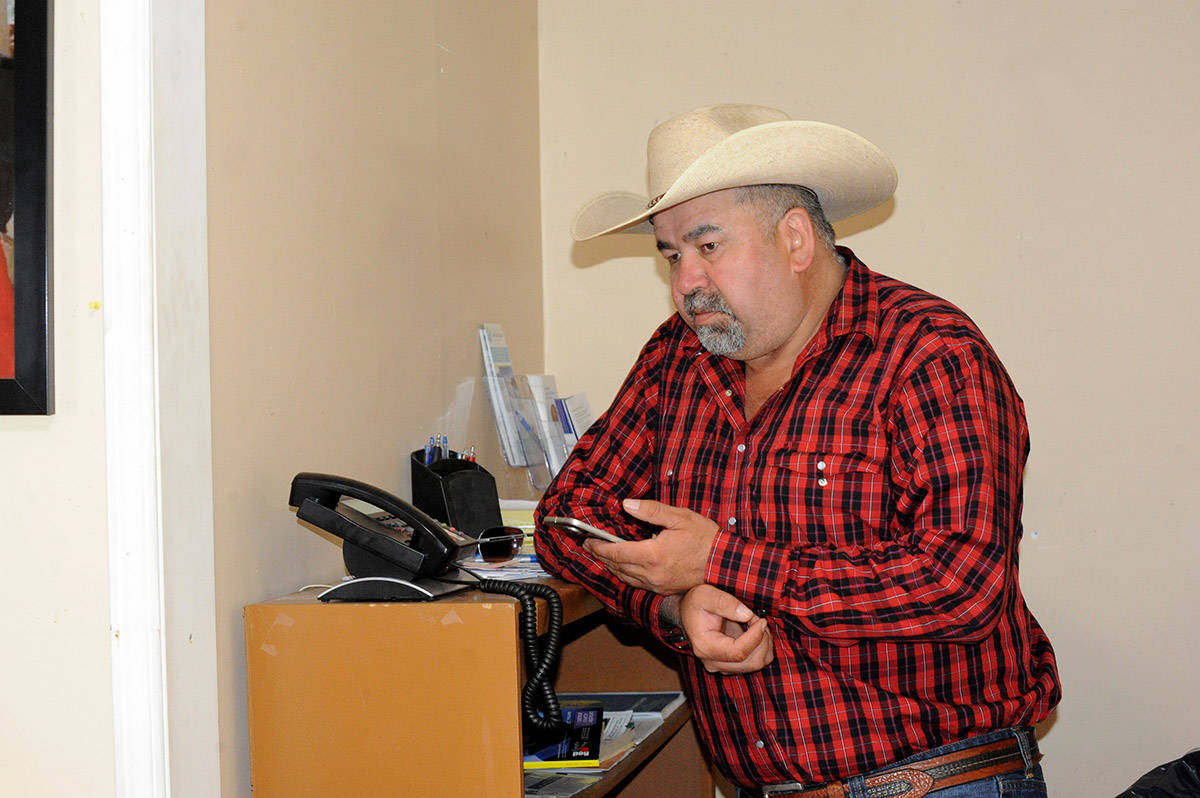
[(672, 257), (708, 247)]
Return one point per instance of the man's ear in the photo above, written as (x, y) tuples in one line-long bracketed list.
[(795, 231)]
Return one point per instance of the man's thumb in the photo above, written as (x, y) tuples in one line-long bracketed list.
[(648, 510)]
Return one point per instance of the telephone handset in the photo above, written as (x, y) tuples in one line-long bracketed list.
[(404, 542)]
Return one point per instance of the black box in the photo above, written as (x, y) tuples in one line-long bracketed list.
[(576, 745)]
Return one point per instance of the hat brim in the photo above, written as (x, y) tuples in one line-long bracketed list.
[(848, 173)]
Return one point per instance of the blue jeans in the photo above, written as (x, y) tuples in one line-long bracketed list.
[(1023, 783)]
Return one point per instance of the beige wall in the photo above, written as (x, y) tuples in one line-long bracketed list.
[(340, 204), (372, 198), (56, 708), (1048, 184)]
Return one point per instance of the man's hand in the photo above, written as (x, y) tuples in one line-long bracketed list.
[(672, 561), (724, 633)]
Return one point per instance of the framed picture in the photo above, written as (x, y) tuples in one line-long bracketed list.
[(26, 346)]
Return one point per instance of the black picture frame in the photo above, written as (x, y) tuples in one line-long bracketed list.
[(31, 390)]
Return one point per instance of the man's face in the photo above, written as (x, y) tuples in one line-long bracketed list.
[(730, 282)]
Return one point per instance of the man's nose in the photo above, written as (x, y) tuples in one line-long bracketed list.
[(691, 272)]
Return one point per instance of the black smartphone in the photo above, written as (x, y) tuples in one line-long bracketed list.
[(577, 527)]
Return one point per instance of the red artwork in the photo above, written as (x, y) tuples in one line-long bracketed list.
[(7, 318), (7, 326)]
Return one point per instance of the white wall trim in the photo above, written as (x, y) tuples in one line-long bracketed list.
[(185, 397), (131, 399), (157, 397)]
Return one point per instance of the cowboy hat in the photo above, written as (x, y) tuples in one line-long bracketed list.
[(727, 146)]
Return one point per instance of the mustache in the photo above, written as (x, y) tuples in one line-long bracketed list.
[(699, 302)]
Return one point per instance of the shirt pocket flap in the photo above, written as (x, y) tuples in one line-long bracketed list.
[(804, 461), (828, 498)]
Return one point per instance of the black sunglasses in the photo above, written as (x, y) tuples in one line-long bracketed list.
[(500, 543)]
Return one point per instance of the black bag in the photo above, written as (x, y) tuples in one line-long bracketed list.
[(1177, 779)]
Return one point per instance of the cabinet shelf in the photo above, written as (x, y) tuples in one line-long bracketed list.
[(640, 755)]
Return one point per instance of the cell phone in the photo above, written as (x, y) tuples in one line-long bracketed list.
[(578, 527)]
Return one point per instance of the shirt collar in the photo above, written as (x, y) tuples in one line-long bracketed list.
[(856, 307)]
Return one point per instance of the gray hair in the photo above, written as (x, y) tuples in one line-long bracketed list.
[(772, 200)]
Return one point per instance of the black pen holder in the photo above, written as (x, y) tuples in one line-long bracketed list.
[(457, 492)]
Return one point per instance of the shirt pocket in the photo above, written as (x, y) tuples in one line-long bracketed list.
[(825, 498)]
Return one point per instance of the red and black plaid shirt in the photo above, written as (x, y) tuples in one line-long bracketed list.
[(871, 511)]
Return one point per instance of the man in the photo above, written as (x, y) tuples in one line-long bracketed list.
[(818, 470)]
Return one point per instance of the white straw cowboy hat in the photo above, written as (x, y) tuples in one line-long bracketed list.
[(727, 146)]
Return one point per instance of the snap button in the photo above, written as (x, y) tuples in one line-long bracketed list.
[(821, 465), (741, 447), (728, 392), (822, 482), (759, 744), (732, 521), (670, 471)]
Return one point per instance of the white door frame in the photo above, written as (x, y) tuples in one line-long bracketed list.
[(157, 397)]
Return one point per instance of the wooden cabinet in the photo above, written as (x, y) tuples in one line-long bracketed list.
[(423, 699)]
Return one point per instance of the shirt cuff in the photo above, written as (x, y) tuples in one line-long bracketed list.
[(666, 633)]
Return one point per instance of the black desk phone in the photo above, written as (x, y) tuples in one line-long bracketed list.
[(401, 541), (402, 554)]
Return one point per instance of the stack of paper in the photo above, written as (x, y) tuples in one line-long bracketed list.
[(660, 704), (523, 566), (543, 784)]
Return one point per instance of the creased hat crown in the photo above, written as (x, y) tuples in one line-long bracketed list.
[(676, 144), (726, 146)]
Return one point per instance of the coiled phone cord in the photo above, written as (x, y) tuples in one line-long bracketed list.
[(538, 700)]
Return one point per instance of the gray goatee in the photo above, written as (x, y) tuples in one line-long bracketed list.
[(721, 338)]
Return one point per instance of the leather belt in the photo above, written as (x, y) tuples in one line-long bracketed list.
[(915, 779)]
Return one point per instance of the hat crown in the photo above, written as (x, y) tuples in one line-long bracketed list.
[(725, 146), (675, 145)]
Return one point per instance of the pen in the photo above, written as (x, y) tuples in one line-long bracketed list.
[(445, 445), (429, 451)]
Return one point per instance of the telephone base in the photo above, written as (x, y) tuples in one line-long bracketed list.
[(388, 588)]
